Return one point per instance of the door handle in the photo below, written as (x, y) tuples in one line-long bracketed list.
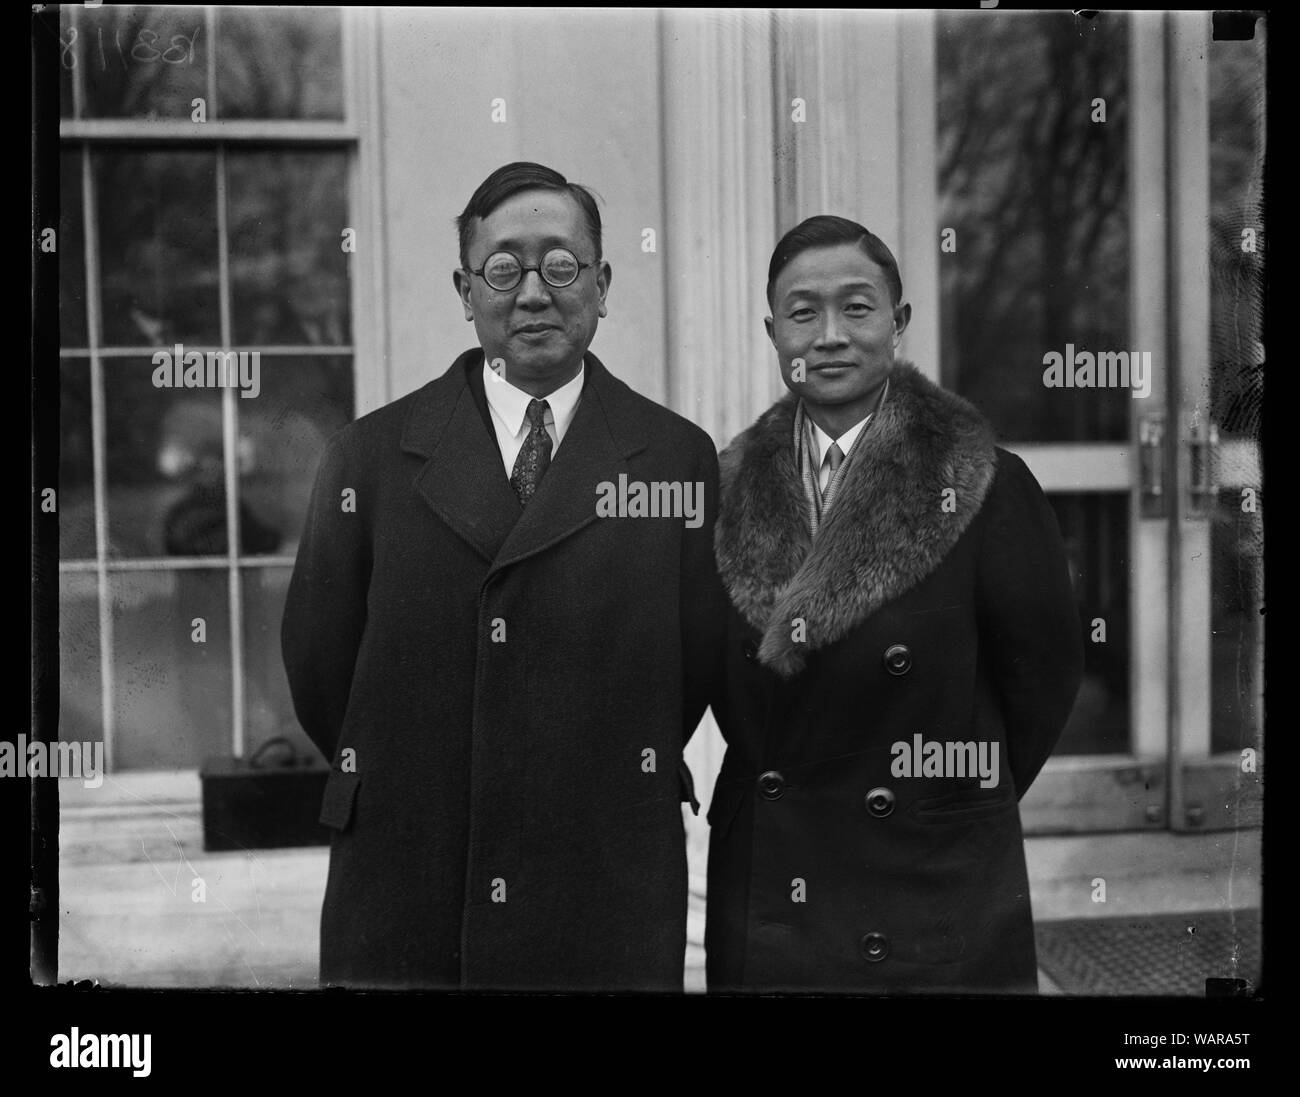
[(1151, 460), (1202, 469)]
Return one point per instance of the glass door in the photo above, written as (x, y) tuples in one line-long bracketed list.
[(1053, 324), (1100, 200)]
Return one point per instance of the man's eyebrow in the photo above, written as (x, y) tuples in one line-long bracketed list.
[(808, 291), (517, 245)]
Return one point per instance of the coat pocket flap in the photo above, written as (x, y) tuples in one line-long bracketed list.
[(688, 786), (964, 804), (340, 794)]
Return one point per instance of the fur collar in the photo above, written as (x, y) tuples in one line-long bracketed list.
[(886, 531)]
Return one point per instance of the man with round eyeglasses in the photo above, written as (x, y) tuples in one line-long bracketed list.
[(503, 678), (559, 268)]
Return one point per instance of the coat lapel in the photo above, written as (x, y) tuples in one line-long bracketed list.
[(605, 431), (463, 480), (888, 529)]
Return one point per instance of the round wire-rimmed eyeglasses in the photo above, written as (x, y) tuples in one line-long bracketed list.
[(502, 270)]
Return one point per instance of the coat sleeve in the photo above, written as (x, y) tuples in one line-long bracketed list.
[(1030, 628), (703, 599), (325, 609)]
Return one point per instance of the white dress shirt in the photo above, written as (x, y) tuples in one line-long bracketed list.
[(509, 407), (823, 441)]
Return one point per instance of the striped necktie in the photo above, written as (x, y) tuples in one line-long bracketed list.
[(834, 458)]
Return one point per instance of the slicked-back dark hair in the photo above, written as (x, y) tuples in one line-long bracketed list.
[(510, 180), (825, 231)]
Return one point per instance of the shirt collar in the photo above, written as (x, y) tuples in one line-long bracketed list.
[(511, 404), (823, 441)]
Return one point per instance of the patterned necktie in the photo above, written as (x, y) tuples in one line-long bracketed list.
[(534, 457), (834, 458)]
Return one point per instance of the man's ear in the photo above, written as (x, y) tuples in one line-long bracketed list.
[(771, 333), (461, 281), (604, 276), (902, 317)]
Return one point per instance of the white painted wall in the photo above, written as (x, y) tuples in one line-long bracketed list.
[(581, 93)]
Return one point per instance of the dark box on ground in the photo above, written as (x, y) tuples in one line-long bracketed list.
[(251, 803)]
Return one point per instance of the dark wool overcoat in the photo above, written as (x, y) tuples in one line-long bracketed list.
[(504, 693), (935, 602)]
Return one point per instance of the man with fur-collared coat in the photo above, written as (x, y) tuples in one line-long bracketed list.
[(903, 650)]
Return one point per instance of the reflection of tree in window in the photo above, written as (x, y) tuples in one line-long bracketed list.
[(1236, 207), (288, 274), (280, 63), (158, 247), (1237, 107), (152, 62), (1037, 193), (142, 62)]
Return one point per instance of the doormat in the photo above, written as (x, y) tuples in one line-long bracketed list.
[(1166, 954)]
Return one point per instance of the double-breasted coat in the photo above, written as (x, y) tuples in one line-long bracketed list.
[(504, 693), (934, 606)]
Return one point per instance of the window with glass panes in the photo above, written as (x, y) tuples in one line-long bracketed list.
[(1038, 194), (181, 508)]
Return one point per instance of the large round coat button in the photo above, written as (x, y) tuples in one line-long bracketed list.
[(875, 947), (880, 802), (750, 650), (771, 785), (898, 659)]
